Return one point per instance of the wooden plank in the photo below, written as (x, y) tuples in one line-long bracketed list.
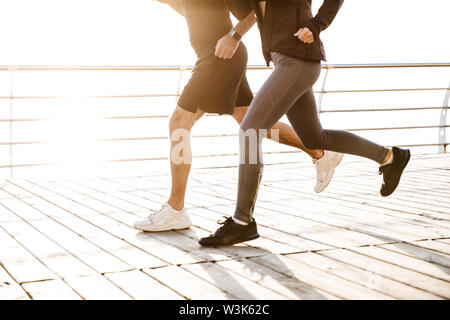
[(353, 208), (411, 261), (61, 262), (235, 284), (419, 252), (13, 189), (365, 278), (50, 290), (344, 205), (59, 207), (187, 240), (352, 220), (96, 287), (243, 250), (4, 195), (92, 255), (434, 245), (121, 249), (131, 184), (19, 263), (319, 279), (80, 198), (313, 231), (102, 238), (290, 287), (10, 289), (140, 286), (146, 241), (259, 246), (342, 237), (187, 284), (102, 197), (393, 272), (98, 259), (398, 198), (207, 218)]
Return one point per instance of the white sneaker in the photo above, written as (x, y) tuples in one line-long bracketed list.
[(325, 167), (166, 219)]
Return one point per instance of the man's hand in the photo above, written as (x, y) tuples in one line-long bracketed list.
[(226, 47), (305, 35)]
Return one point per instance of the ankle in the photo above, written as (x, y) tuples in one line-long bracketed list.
[(176, 205), (389, 158), (239, 222), (317, 154)]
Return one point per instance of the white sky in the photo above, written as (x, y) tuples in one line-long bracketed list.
[(144, 32)]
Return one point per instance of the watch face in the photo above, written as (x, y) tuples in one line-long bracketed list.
[(236, 35)]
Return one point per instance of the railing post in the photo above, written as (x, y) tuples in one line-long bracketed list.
[(443, 123), (180, 77), (11, 70), (319, 102)]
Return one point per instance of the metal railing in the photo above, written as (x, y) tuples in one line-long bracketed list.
[(442, 136)]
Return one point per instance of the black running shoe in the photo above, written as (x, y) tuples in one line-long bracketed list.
[(231, 233), (393, 172)]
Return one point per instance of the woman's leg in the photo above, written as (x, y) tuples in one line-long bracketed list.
[(291, 80), (305, 121), (303, 117), (286, 134), (288, 82)]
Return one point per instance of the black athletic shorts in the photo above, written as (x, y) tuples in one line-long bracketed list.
[(217, 85)]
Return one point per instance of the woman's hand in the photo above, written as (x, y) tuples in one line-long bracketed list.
[(305, 35)]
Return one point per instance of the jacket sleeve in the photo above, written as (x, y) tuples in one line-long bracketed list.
[(324, 17), (239, 8)]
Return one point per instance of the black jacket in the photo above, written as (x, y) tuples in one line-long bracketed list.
[(284, 18)]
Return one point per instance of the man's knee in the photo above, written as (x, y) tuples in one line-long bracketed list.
[(181, 119), (239, 114)]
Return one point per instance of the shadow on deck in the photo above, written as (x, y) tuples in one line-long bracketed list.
[(72, 239)]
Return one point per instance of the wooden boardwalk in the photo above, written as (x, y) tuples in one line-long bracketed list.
[(72, 239)]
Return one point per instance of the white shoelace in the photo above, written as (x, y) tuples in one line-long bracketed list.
[(158, 213), (320, 174)]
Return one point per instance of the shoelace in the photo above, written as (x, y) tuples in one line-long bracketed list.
[(320, 175), (157, 214), (224, 224)]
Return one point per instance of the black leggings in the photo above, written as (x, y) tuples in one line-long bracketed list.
[(288, 91)]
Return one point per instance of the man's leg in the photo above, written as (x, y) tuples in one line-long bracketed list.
[(287, 135), (180, 125), (172, 215)]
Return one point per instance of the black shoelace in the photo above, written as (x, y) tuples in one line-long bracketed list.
[(382, 169), (224, 224)]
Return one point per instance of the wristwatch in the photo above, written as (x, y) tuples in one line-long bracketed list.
[(235, 35)]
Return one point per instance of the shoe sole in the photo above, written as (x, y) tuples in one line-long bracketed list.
[(174, 228), (339, 159), (248, 238), (404, 164)]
